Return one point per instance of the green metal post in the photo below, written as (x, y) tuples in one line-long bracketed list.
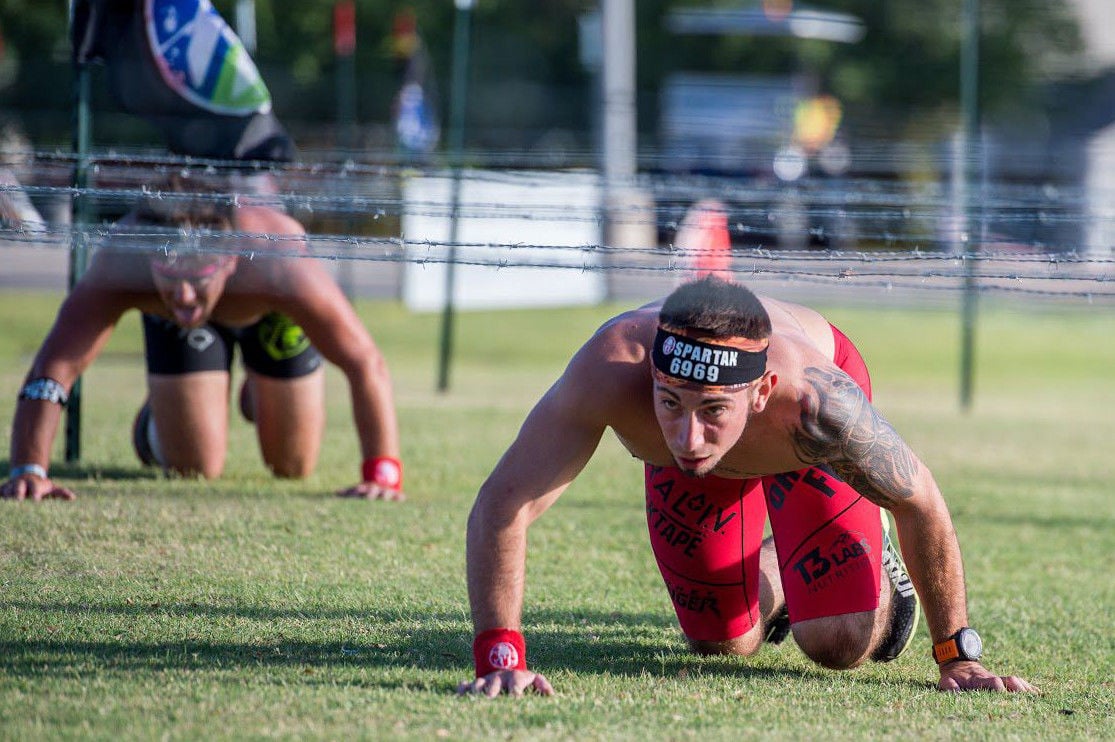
[(345, 50), (80, 208), (970, 154), (458, 99)]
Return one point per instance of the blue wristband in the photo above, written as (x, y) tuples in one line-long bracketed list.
[(19, 471)]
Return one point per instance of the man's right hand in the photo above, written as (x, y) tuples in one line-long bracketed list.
[(35, 488), (512, 682), (372, 491)]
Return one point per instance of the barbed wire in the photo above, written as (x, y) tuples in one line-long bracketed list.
[(938, 272), (906, 235), (875, 148), (342, 246), (376, 208), (328, 164)]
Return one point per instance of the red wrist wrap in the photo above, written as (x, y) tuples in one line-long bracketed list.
[(499, 649), (386, 471)]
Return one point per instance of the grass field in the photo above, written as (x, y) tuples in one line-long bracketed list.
[(253, 608)]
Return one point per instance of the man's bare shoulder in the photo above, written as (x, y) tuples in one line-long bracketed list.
[(627, 337), (611, 367), (118, 272), (797, 324), (265, 220), (276, 265)]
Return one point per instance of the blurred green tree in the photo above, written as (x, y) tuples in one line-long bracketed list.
[(906, 68)]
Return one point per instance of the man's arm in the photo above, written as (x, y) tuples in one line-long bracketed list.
[(551, 449), (302, 289), (332, 325), (554, 444), (839, 426), (83, 325)]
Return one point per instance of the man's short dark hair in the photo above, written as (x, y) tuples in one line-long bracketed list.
[(187, 204), (717, 309)]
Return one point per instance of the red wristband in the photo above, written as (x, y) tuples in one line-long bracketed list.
[(386, 471), (499, 649)]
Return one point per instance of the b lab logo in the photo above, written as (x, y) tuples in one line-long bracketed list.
[(843, 556)]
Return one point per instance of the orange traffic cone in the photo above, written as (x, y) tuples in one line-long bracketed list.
[(703, 240)]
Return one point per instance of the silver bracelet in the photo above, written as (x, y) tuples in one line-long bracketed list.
[(19, 471), (44, 389)]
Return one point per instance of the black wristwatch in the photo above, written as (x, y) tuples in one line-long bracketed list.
[(963, 645)]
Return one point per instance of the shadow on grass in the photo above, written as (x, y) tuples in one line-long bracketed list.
[(64, 470), (404, 648)]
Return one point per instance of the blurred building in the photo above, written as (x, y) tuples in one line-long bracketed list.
[(1096, 19), (779, 129), (1055, 164)]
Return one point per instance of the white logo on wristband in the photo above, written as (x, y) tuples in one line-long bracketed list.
[(503, 656), (388, 473)]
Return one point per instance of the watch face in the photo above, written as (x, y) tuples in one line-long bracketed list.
[(969, 644)]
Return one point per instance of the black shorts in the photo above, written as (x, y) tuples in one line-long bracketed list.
[(274, 347)]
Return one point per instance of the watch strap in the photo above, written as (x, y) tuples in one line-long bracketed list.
[(946, 651)]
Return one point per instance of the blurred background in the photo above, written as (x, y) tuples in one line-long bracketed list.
[(836, 125)]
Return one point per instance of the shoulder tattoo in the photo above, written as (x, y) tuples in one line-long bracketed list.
[(840, 427)]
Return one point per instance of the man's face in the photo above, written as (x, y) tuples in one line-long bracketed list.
[(191, 289), (701, 425)]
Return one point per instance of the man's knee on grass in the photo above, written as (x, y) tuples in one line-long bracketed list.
[(190, 469), (836, 642), (745, 645), (292, 468)]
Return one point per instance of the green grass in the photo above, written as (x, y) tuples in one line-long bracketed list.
[(256, 608)]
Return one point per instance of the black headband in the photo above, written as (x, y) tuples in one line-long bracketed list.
[(687, 360)]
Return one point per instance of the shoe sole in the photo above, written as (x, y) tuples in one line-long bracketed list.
[(140, 440), (778, 628), (905, 605)]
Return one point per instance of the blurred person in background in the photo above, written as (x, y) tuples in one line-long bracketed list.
[(16, 210), (741, 408), (173, 260)]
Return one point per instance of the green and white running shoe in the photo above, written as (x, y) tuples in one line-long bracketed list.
[(778, 628), (145, 439), (904, 605)]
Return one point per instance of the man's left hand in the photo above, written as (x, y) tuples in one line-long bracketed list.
[(964, 675)]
